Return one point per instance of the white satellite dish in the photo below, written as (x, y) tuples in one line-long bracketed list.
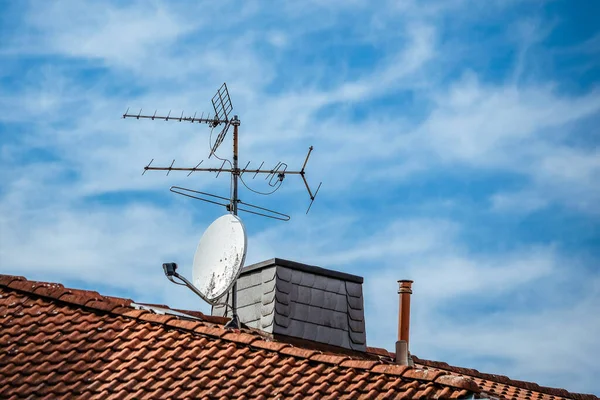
[(219, 257)]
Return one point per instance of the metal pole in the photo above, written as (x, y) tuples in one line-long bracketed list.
[(235, 322)]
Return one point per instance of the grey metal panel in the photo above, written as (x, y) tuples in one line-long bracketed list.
[(316, 315), (294, 328), (267, 323), (266, 309), (320, 282), (329, 284), (357, 337), (334, 337), (317, 297), (334, 301), (268, 292), (320, 316), (294, 293), (282, 309), (356, 315), (355, 302), (282, 298), (267, 274), (340, 320), (310, 331), (268, 286), (356, 326), (335, 320), (358, 347), (325, 334), (249, 280), (299, 311), (354, 289), (345, 340), (280, 320), (335, 286), (251, 310), (296, 277), (341, 304), (302, 294), (307, 279), (253, 324), (283, 286), (284, 274), (249, 296)]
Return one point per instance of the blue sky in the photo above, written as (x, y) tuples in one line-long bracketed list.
[(457, 142)]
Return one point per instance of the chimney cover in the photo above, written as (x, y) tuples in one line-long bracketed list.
[(404, 290)]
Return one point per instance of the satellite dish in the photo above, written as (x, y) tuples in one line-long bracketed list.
[(219, 257)]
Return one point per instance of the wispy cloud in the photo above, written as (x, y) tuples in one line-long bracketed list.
[(442, 144)]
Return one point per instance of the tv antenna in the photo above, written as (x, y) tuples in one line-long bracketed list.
[(222, 107)]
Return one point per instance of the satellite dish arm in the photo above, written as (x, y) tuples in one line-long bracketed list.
[(170, 272)]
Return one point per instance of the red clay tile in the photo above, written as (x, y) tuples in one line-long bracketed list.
[(5, 280), (182, 324), (115, 351), (361, 364), (239, 337), (327, 358), (297, 352), (273, 346), (390, 369), (457, 382), (49, 290), (423, 374), (156, 318), (210, 331)]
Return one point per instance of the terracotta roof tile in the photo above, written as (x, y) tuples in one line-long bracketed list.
[(422, 374), (362, 364), (500, 385), (274, 346), (297, 352), (390, 369), (329, 359), (58, 342), (239, 337)]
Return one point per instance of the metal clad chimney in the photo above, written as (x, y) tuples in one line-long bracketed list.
[(283, 297), (404, 290)]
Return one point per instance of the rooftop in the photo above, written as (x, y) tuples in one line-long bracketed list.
[(60, 343)]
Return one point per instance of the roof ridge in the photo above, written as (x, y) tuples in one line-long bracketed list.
[(504, 380), (122, 307), (56, 291)]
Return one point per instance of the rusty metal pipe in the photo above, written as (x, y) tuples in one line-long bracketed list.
[(404, 290)]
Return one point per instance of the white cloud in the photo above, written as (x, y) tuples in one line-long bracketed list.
[(518, 202), (367, 142)]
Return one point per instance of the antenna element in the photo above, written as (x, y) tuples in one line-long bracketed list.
[(222, 107)]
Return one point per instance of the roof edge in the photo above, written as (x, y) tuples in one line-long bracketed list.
[(313, 269), (503, 379)]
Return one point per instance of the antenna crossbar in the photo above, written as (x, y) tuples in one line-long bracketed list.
[(222, 107), (193, 119), (275, 176), (241, 171)]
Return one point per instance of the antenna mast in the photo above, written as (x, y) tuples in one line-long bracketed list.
[(222, 107)]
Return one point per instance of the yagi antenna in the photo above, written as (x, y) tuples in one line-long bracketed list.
[(222, 107)]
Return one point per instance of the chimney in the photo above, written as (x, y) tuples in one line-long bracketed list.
[(283, 297), (402, 354)]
